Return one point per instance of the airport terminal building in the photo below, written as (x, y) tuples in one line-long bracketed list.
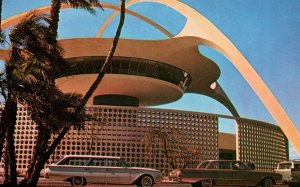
[(148, 73)]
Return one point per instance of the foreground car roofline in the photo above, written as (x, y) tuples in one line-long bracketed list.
[(91, 156)]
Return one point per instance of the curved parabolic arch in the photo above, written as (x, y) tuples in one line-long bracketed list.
[(7, 23), (199, 26)]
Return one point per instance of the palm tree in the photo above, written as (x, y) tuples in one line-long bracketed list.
[(31, 69), (78, 109), (44, 133), (73, 106), (55, 10), (7, 124), (2, 83), (29, 59), (54, 19)]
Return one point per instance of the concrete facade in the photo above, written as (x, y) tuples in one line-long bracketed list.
[(262, 143), (119, 131)]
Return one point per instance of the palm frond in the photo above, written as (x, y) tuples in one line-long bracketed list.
[(3, 85), (2, 37), (32, 43), (84, 4)]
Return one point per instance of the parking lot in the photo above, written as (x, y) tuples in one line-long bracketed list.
[(50, 183)]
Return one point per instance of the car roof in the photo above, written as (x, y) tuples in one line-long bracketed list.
[(91, 156), (290, 161), (222, 161)]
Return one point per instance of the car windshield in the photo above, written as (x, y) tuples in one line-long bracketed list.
[(60, 160), (285, 166)]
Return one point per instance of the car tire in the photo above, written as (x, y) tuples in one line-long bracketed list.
[(78, 181), (267, 183), (145, 181), (207, 183)]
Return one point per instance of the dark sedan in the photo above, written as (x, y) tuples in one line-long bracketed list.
[(225, 172)]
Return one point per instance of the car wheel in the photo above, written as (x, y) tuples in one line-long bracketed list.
[(78, 181), (207, 183), (268, 183), (197, 184), (294, 184), (145, 181)]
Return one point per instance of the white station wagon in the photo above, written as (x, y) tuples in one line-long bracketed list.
[(82, 169)]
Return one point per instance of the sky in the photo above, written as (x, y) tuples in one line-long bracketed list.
[(267, 32)]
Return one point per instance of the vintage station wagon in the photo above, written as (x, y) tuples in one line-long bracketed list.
[(225, 172), (80, 170)]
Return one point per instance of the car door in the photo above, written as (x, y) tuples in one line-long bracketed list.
[(96, 171), (76, 166), (242, 175), (117, 172), (220, 172)]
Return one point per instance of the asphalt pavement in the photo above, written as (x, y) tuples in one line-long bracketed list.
[(50, 183)]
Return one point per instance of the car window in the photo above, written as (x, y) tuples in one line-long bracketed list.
[(114, 163), (214, 165), (75, 161), (239, 166), (285, 166), (224, 165), (219, 165), (98, 162)]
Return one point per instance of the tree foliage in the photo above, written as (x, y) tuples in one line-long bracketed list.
[(173, 145)]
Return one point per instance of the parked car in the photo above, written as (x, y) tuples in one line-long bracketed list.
[(224, 172), (290, 171), (80, 170)]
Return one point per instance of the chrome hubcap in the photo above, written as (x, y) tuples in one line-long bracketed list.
[(146, 181)]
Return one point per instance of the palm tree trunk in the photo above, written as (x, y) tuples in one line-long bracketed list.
[(6, 163), (39, 151), (33, 178), (2, 125), (9, 115), (3, 129), (108, 58)]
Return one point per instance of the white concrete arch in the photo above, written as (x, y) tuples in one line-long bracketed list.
[(199, 26), (8, 23)]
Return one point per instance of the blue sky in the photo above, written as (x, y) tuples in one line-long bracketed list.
[(266, 32)]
